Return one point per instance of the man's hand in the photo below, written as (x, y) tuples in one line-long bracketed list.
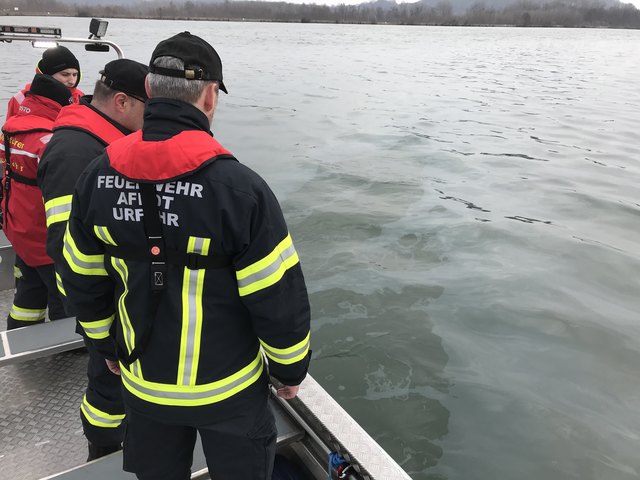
[(287, 391), (113, 366)]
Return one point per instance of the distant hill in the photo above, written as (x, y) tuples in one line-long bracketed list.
[(459, 6), (522, 13)]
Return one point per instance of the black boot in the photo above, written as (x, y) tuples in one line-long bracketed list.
[(97, 451)]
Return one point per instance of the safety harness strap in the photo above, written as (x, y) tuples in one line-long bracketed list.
[(192, 261), (16, 177), (158, 269), (158, 257)]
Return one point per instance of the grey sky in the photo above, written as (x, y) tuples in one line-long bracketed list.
[(353, 2)]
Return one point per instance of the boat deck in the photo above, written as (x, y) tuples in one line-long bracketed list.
[(39, 402)]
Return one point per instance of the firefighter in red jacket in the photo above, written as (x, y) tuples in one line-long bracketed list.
[(24, 138), (59, 63), (80, 133), (193, 247)]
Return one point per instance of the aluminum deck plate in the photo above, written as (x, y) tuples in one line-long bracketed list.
[(40, 430)]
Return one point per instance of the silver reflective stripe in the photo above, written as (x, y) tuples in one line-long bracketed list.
[(200, 395), (27, 314), (99, 417), (95, 331), (88, 413), (129, 335), (15, 151), (60, 285), (103, 234), (285, 356), (192, 324), (57, 210), (198, 245), (269, 269), (80, 263), (99, 328)]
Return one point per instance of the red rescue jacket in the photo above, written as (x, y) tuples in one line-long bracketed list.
[(25, 136), (17, 100)]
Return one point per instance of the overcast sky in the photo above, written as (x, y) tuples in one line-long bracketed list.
[(351, 2)]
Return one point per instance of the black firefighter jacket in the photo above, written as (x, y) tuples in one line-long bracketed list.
[(204, 346), (80, 134)]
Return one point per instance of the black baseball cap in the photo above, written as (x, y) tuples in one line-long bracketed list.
[(200, 59), (127, 76), (47, 86)]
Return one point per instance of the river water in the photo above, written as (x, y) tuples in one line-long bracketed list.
[(465, 203)]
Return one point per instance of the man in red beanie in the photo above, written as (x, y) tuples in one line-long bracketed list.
[(24, 138), (59, 63)]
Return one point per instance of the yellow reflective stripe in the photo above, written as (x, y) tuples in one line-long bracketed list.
[(103, 234), (192, 395), (129, 334), (290, 355), (198, 245), (17, 273), (192, 284), (269, 270), (60, 285), (58, 209), (27, 314), (99, 418), (98, 329), (79, 262)]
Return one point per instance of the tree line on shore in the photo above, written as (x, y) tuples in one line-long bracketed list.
[(525, 13)]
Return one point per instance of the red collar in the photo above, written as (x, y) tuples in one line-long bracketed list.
[(164, 160)]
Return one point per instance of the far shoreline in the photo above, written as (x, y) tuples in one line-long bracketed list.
[(306, 21)]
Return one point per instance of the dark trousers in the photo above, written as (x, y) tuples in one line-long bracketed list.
[(102, 409), (241, 447), (35, 291)]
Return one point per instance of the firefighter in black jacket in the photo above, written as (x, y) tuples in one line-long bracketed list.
[(80, 133), (193, 247)]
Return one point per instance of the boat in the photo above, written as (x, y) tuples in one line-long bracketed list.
[(42, 370)]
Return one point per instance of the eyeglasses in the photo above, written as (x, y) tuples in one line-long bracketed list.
[(140, 99)]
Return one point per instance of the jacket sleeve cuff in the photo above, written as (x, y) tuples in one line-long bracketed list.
[(291, 375)]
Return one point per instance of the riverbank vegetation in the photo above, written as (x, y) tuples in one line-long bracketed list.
[(524, 13)]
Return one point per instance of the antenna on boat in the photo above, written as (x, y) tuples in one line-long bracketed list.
[(47, 37)]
